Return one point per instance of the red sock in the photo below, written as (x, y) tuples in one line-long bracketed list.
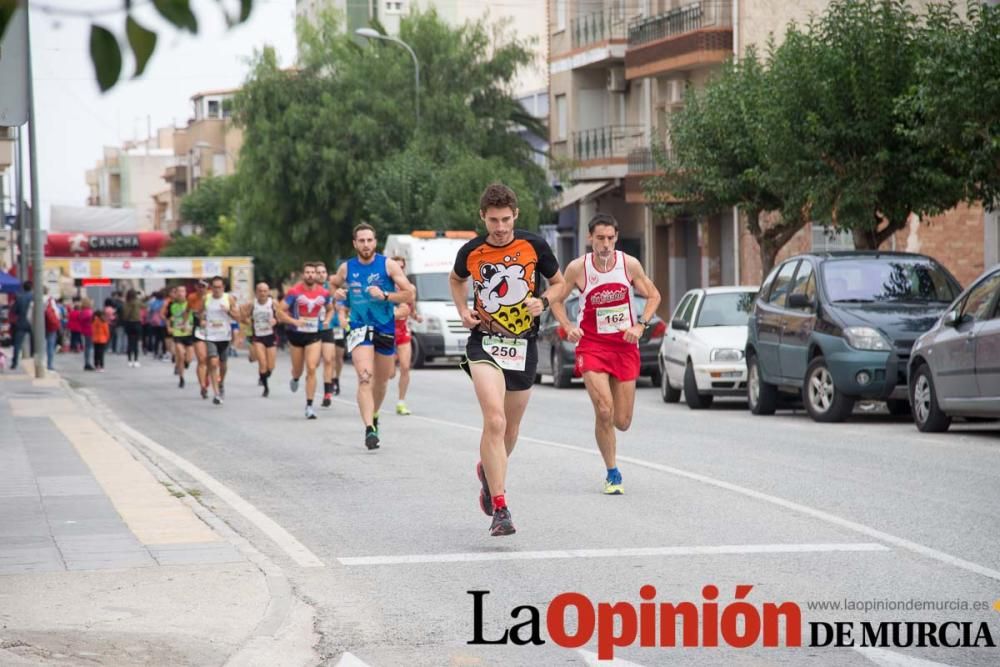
[(499, 502)]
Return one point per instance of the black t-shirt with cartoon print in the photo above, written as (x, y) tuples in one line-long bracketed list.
[(503, 277)]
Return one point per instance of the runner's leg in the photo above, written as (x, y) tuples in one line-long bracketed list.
[(624, 402), (405, 353), (385, 364), (312, 354), (491, 392), (298, 361), (514, 405), (599, 389), (364, 365)]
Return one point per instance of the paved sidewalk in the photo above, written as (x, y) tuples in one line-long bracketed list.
[(102, 563)]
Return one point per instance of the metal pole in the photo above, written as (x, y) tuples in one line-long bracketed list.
[(38, 325), (22, 236)]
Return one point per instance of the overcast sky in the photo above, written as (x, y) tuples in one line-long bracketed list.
[(75, 120)]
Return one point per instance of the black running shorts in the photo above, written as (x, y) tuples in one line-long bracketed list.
[(326, 336), (217, 348), (184, 340), (299, 339), (515, 380), (266, 341)]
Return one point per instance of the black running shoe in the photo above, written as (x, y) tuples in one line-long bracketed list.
[(502, 524), (371, 438), (485, 499), (336, 387), (327, 400), (204, 392), (267, 392), (180, 383)]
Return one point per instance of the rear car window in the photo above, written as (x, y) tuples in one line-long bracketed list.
[(726, 310), (887, 279)]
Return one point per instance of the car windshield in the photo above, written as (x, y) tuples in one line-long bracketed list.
[(887, 279), (434, 287), (725, 310)]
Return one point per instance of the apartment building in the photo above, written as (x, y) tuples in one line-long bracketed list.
[(618, 69), (129, 176), (209, 145)]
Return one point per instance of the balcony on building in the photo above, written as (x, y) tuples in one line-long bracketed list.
[(596, 39), (603, 152), (685, 38), (642, 165)]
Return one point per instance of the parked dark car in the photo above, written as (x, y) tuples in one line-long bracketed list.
[(557, 356), (955, 367), (838, 327)]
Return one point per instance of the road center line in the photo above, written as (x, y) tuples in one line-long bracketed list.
[(611, 553), (832, 519), (291, 546)]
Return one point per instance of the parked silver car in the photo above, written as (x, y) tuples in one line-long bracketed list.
[(955, 366)]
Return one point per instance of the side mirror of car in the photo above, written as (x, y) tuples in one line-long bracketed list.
[(680, 325), (800, 302), (952, 319)]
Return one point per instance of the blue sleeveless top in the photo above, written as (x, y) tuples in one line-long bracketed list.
[(366, 310)]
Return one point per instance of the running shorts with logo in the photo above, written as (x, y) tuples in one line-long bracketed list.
[(607, 310), (372, 320), (503, 278), (308, 305)]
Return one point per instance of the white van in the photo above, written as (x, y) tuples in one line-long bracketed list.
[(429, 260)]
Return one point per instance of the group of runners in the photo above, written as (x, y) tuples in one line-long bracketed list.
[(362, 310)]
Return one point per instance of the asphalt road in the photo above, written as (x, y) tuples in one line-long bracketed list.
[(870, 510)]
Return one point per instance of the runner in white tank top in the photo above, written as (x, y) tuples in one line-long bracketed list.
[(261, 317), (607, 333)]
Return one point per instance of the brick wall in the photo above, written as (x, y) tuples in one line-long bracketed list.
[(954, 238), (750, 271)]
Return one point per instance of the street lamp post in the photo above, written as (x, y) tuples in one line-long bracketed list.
[(369, 33)]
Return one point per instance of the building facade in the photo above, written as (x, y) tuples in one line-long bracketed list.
[(209, 145), (618, 70), (130, 176)]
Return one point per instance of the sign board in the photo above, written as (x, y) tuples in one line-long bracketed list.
[(146, 268), (14, 70), (80, 244)]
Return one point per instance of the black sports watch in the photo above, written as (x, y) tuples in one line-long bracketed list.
[(638, 320)]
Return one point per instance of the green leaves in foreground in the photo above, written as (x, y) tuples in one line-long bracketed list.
[(142, 41), (106, 56)]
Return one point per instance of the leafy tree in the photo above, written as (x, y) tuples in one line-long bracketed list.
[(195, 245), (105, 48), (951, 112), (214, 198), (717, 157), (837, 145), (336, 141)]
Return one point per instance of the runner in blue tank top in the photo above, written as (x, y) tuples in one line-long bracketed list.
[(373, 285)]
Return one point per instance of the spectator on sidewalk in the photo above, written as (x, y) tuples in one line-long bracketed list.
[(53, 322), (117, 324), (75, 339), (87, 332), (101, 334), (22, 312), (158, 325), (132, 317)]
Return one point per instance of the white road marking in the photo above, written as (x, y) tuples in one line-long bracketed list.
[(612, 553), (885, 658), (833, 519), (592, 660), (350, 660), (291, 546)]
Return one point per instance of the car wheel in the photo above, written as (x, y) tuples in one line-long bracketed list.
[(898, 407), (927, 414), (667, 391), (762, 397), (561, 378), (417, 359), (694, 400), (823, 401)]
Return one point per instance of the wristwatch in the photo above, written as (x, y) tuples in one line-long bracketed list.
[(638, 320), (545, 303)]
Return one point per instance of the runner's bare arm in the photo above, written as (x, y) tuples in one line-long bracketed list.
[(572, 278), (337, 282), (459, 294), (234, 308), (165, 309), (405, 291), (644, 287), (556, 284), (283, 315), (330, 310)]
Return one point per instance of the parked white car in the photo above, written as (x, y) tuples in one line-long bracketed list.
[(703, 351)]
